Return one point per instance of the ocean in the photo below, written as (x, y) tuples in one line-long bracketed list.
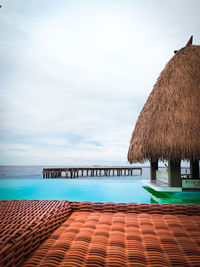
[(26, 182), (35, 172)]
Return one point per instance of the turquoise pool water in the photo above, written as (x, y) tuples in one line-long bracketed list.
[(89, 190), (75, 190)]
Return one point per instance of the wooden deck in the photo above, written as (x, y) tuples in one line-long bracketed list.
[(89, 171)]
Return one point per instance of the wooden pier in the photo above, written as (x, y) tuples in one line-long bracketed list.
[(89, 171)]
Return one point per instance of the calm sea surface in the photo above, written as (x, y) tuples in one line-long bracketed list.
[(35, 172), (26, 182)]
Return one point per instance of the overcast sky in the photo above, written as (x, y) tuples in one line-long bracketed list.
[(74, 75)]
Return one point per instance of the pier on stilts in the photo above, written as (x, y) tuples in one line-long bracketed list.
[(90, 171)]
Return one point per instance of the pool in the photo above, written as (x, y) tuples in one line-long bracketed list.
[(90, 190)]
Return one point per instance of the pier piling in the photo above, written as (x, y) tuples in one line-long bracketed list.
[(89, 171)]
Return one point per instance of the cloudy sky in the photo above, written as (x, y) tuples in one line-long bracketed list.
[(74, 75)]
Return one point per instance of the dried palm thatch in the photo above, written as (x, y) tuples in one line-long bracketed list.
[(168, 126)]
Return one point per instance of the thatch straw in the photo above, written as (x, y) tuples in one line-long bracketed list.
[(168, 126)]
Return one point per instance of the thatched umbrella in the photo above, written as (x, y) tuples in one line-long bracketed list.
[(168, 127)]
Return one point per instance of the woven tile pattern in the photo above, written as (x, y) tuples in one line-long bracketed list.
[(121, 239), (189, 210), (98, 234), (25, 224)]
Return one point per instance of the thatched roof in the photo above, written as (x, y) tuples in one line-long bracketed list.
[(168, 126)]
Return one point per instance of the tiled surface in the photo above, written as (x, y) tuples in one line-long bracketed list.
[(98, 234), (122, 239), (24, 224), (161, 187)]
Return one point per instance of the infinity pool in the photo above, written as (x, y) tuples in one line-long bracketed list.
[(90, 190)]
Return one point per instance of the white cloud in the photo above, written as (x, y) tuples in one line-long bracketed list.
[(77, 74)]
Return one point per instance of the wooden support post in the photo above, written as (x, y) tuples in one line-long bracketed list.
[(194, 169), (174, 173), (154, 168)]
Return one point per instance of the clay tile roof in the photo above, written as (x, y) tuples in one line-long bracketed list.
[(63, 233)]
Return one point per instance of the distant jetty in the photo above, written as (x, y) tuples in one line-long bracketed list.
[(89, 171)]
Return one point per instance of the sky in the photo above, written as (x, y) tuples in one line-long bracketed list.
[(74, 75)]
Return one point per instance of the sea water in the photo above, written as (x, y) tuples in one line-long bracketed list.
[(35, 172), (26, 182)]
